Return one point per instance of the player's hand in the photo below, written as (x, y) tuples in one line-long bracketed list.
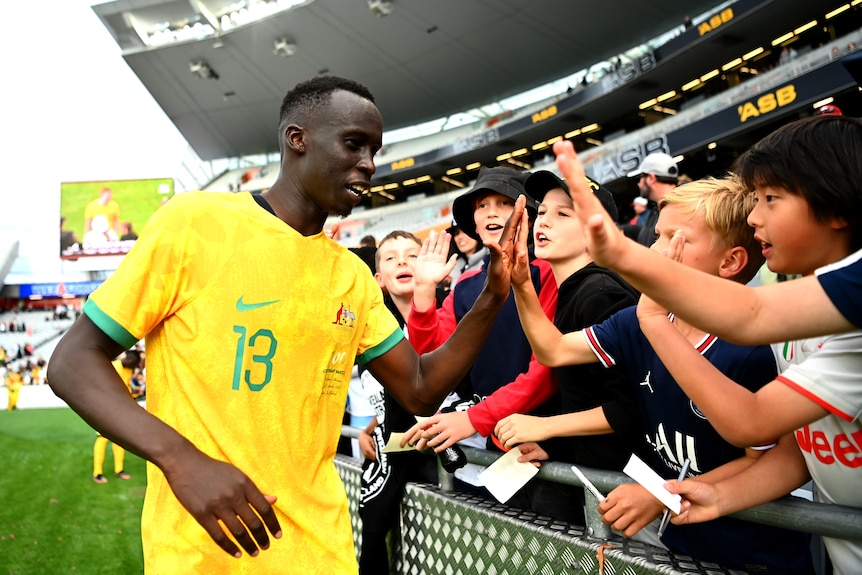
[(629, 508), (533, 453), (503, 254), (446, 429), (433, 263), (700, 501), (519, 428), (226, 503), (606, 243)]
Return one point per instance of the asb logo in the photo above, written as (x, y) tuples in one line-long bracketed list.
[(767, 103)]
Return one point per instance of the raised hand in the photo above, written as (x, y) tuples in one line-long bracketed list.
[(605, 240), (521, 265), (433, 264), (503, 254), (226, 503)]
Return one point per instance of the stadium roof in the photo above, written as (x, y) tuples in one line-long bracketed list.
[(424, 60)]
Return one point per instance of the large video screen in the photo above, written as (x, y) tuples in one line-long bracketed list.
[(103, 218)]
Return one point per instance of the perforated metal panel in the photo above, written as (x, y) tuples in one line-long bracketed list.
[(457, 534)]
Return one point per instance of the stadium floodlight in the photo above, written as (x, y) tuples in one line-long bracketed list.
[(202, 70), (283, 47), (380, 7)]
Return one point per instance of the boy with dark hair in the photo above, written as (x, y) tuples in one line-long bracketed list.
[(712, 213), (254, 319)]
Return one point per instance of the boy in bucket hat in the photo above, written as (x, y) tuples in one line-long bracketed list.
[(506, 355)]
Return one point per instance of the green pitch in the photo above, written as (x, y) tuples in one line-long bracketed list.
[(53, 518)]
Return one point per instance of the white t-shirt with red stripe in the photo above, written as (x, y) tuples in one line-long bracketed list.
[(828, 371)]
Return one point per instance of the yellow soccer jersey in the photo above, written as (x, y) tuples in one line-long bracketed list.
[(251, 333)]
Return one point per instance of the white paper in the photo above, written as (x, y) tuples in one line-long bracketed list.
[(507, 475), (652, 482), (394, 444)]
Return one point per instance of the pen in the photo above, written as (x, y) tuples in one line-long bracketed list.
[(665, 518), (588, 484)]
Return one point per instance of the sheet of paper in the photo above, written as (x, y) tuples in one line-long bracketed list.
[(506, 475), (394, 444), (652, 482)]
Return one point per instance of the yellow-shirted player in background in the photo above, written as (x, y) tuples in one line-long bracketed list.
[(14, 381), (125, 366)]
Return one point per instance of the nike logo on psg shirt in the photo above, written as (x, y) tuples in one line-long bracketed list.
[(243, 306)]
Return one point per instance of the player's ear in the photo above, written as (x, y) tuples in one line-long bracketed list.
[(294, 138), (734, 262)]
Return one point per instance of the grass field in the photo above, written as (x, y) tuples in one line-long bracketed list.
[(53, 518)]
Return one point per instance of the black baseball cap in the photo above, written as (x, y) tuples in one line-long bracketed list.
[(499, 180), (540, 183)]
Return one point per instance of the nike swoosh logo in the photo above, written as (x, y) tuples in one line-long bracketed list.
[(242, 306)]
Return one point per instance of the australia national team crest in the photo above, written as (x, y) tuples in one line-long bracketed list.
[(344, 322)]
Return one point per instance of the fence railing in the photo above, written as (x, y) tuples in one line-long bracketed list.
[(823, 519)]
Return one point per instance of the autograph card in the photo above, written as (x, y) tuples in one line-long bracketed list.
[(507, 475), (652, 482)]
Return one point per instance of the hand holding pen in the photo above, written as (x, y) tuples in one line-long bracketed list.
[(665, 518)]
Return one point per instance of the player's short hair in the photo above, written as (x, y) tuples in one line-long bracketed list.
[(724, 205), (816, 158), (306, 98), (392, 236)]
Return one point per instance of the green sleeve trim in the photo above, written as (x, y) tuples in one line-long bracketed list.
[(107, 324), (381, 348)]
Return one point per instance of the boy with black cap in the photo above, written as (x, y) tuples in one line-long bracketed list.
[(506, 355)]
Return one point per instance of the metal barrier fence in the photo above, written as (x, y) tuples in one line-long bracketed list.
[(443, 531)]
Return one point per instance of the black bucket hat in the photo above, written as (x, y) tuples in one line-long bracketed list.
[(500, 180)]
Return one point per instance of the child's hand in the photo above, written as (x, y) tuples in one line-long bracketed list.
[(518, 428), (647, 308), (446, 429), (606, 242), (700, 501), (433, 264), (629, 508), (533, 453), (366, 445)]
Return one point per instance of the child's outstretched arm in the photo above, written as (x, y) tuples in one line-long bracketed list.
[(731, 311), (778, 471), (519, 428), (550, 347), (740, 416)]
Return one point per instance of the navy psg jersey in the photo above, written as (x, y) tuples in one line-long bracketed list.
[(675, 427)]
